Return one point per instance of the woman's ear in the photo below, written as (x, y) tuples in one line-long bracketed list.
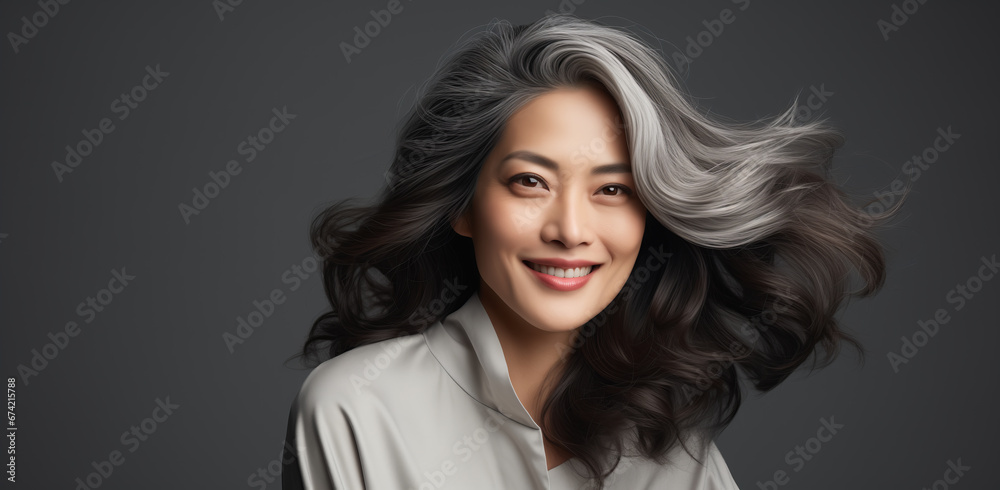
[(461, 224)]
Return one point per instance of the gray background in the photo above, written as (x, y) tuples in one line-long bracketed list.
[(162, 336)]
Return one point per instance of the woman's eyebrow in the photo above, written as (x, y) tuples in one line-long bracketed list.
[(610, 168)]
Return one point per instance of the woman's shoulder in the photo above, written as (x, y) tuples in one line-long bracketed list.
[(364, 371), (343, 399)]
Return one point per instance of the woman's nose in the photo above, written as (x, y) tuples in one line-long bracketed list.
[(568, 221)]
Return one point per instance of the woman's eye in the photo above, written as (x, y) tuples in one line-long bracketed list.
[(527, 180), (535, 182), (618, 190)]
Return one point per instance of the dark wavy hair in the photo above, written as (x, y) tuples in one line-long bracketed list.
[(760, 241)]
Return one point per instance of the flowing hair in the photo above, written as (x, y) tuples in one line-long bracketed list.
[(746, 255)]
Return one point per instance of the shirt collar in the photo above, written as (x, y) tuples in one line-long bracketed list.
[(467, 346)]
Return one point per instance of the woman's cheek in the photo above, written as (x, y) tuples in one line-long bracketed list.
[(523, 216)]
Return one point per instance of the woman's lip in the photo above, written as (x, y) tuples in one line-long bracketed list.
[(561, 283)]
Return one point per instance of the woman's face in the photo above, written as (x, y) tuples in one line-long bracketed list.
[(556, 190)]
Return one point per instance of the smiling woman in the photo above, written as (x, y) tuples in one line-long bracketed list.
[(583, 215), (538, 181), (542, 278)]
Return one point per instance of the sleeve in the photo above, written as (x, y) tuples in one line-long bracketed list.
[(291, 474), (322, 437)]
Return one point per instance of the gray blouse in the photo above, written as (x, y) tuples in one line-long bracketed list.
[(437, 410)]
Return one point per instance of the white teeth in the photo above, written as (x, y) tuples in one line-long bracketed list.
[(555, 271)]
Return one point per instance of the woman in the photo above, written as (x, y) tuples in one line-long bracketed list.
[(566, 268)]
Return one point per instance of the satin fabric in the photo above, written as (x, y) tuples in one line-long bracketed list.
[(437, 410)]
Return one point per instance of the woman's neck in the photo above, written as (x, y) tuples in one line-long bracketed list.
[(531, 353)]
